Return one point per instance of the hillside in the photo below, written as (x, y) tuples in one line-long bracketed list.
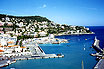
[(36, 26), (38, 18)]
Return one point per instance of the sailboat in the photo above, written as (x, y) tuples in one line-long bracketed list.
[(82, 65), (84, 48)]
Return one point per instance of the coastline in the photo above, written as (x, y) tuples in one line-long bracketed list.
[(75, 34), (62, 48)]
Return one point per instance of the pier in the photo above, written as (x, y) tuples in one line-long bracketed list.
[(100, 64), (40, 57), (5, 63), (99, 54)]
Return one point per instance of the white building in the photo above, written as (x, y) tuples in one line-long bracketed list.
[(51, 36), (42, 33)]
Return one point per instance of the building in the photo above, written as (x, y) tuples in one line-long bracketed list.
[(42, 33)]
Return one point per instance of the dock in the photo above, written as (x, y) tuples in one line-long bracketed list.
[(5, 63), (99, 54), (100, 64), (40, 57)]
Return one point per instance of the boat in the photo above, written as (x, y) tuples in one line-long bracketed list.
[(85, 39), (97, 54), (84, 48), (82, 65), (96, 46)]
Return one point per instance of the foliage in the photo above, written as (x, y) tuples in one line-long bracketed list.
[(27, 18)]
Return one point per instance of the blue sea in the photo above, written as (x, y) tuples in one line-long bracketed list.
[(74, 53)]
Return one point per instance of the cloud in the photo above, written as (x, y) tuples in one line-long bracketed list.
[(43, 6)]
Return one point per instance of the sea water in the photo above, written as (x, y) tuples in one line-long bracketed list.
[(77, 50)]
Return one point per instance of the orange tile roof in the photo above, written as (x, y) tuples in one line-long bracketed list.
[(1, 50), (13, 45), (10, 46), (23, 47), (10, 42)]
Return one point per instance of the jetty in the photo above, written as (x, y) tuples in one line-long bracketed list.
[(100, 64), (99, 54), (5, 63), (38, 57)]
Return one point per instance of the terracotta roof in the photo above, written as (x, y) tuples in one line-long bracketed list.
[(5, 46), (10, 42), (13, 45), (10, 46), (23, 47), (1, 50)]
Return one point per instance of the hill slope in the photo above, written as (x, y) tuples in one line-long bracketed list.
[(36, 26)]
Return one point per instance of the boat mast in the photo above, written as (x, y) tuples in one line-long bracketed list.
[(82, 65)]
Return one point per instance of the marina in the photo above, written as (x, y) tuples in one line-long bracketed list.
[(78, 47), (51, 34), (10, 53), (73, 55)]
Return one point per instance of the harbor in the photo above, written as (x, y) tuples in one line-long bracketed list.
[(73, 55), (73, 52), (10, 53), (51, 34)]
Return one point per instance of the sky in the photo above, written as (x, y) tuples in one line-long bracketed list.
[(71, 12)]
